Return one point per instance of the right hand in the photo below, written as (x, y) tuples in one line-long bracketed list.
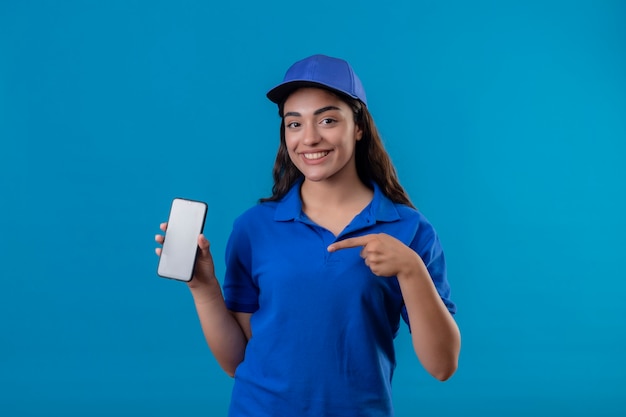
[(204, 272)]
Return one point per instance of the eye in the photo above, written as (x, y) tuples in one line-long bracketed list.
[(327, 121), (292, 125)]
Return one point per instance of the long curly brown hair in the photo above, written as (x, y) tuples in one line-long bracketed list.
[(372, 160)]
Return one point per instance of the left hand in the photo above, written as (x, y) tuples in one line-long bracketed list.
[(385, 255)]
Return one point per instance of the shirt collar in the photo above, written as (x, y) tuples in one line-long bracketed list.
[(381, 208)]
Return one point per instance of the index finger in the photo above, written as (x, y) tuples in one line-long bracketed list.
[(353, 242)]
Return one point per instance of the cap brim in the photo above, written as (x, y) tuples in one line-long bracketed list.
[(280, 93)]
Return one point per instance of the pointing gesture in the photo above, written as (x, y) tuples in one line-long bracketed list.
[(385, 255)]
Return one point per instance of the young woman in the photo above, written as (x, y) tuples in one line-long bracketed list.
[(319, 274)]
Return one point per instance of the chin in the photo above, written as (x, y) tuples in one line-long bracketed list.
[(314, 178)]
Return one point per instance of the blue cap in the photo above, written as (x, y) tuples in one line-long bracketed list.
[(319, 71)]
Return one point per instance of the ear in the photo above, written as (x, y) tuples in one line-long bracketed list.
[(358, 132)]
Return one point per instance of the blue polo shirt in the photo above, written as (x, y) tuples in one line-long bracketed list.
[(323, 324)]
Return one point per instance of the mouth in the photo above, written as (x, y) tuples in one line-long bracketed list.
[(311, 156)]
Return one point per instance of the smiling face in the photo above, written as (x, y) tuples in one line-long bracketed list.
[(320, 135)]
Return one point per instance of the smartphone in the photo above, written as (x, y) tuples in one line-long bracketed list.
[(180, 246)]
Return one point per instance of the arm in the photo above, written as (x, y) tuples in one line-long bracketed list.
[(226, 333), (435, 335)]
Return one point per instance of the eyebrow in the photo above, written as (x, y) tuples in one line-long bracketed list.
[(316, 112)]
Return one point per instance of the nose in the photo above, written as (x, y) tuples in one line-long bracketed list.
[(311, 134)]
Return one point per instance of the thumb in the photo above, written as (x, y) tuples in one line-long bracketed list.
[(203, 244)]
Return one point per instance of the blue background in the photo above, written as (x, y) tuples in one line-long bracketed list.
[(507, 124)]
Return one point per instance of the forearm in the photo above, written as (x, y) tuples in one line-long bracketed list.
[(223, 334), (435, 334)]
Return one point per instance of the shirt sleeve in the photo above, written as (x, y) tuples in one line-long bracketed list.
[(426, 243), (241, 293)]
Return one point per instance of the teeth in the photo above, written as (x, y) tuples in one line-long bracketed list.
[(315, 155)]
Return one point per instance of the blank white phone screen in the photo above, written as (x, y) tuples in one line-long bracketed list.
[(180, 246)]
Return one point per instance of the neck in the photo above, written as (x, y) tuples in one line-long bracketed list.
[(333, 193)]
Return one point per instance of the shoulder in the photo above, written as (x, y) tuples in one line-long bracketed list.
[(265, 214), (256, 219), (250, 226), (409, 213), (424, 234), (252, 218), (264, 210)]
